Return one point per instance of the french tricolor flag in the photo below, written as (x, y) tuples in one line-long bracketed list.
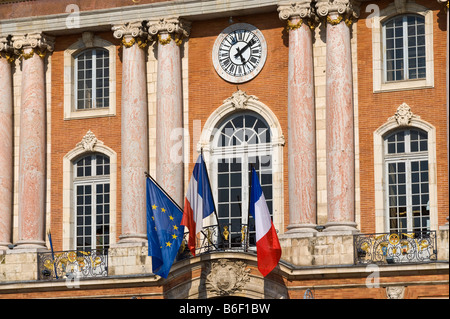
[(268, 247), (198, 203)]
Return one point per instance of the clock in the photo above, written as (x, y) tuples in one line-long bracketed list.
[(239, 53)]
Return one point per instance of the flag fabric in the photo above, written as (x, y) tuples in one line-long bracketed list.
[(268, 249), (198, 203), (164, 231)]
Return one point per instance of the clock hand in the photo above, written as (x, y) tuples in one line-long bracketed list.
[(240, 51), (240, 54)]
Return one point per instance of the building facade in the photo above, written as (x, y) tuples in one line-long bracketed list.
[(341, 106)]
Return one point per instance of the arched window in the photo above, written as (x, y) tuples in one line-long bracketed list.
[(407, 180), (92, 202), (243, 140), (404, 48), (92, 79)]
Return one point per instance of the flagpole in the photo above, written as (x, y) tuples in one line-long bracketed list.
[(249, 202), (162, 189), (53, 255), (212, 196)]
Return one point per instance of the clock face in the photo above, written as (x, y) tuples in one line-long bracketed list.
[(239, 53)]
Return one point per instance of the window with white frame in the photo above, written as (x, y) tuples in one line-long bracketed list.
[(243, 141), (404, 48), (92, 202), (407, 181), (92, 79)]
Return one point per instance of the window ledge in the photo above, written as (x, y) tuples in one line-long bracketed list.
[(104, 112), (404, 86)]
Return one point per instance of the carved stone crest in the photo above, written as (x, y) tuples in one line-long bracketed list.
[(239, 99), (89, 141), (395, 292), (224, 277), (403, 115)]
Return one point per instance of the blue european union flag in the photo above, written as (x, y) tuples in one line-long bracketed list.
[(164, 231)]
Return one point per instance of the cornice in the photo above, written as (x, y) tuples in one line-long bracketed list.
[(104, 19)]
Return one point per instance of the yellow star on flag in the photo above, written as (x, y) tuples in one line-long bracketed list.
[(171, 217), (168, 244), (175, 227), (154, 207), (174, 236), (163, 210)]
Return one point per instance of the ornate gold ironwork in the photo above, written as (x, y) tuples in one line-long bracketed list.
[(225, 233), (81, 264), (414, 247)]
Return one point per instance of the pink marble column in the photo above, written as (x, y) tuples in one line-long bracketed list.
[(339, 118), (134, 132), (6, 143), (301, 118), (32, 143), (169, 106), (446, 2)]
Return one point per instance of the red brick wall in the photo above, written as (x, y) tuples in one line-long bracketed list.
[(207, 90), (65, 134), (376, 108), (43, 7)]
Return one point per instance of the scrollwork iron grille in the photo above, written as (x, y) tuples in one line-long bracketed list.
[(395, 248), (219, 238), (72, 264)]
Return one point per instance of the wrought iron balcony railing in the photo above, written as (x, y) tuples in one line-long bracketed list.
[(72, 264), (393, 248), (220, 238)]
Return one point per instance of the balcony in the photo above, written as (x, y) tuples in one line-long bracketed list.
[(395, 248), (319, 250), (226, 237), (72, 264)]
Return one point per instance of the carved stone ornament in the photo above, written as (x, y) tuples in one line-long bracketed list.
[(6, 49), (89, 141), (34, 41), (344, 8), (178, 27), (400, 6), (5, 44), (225, 277), (88, 39), (403, 115), (301, 8), (239, 99), (133, 29), (395, 292)]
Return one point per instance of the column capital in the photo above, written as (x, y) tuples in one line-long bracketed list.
[(38, 43), (173, 27), (346, 10), (6, 49), (302, 9), (135, 30)]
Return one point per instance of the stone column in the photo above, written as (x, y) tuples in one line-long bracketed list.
[(301, 117), (32, 151), (169, 34), (339, 114), (134, 131), (6, 142), (446, 226)]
